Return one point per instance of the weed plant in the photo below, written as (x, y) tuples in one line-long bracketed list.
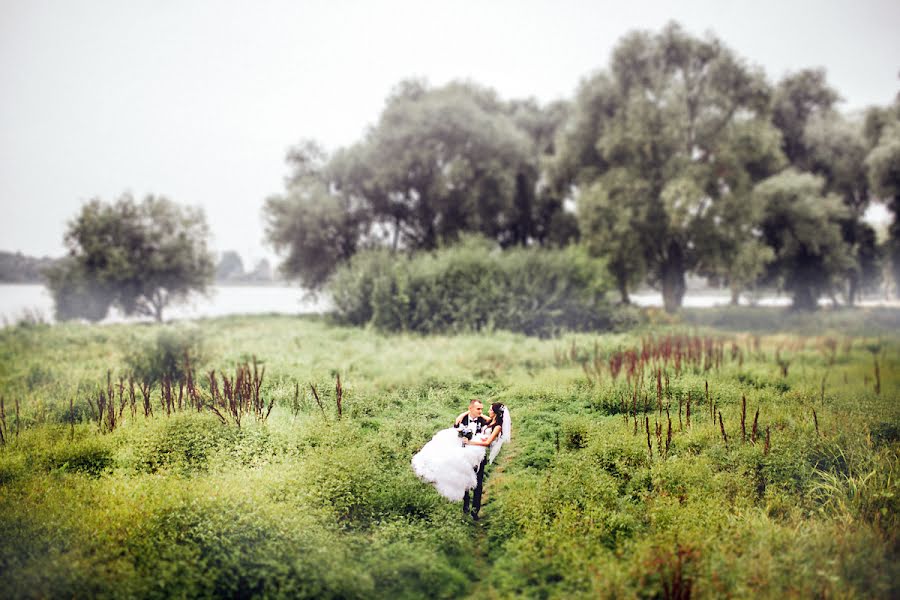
[(608, 489)]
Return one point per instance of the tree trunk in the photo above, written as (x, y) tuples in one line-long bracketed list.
[(672, 276), (622, 284), (804, 298), (852, 288), (735, 294)]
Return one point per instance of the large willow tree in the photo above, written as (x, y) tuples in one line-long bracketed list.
[(665, 144)]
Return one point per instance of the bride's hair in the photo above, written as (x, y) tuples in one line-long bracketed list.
[(498, 409)]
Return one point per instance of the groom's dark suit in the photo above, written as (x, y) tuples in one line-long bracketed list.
[(476, 425)]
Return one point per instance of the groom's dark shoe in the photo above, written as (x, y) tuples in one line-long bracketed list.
[(474, 515)]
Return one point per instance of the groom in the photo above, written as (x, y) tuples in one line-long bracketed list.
[(474, 422)]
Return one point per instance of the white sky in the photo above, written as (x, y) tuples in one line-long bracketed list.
[(199, 101)]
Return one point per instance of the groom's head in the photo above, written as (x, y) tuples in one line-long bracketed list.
[(475, 408)]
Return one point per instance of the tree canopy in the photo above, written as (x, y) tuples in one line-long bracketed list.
[(678, 157), (440, 162), (674, 128), (137, 256)]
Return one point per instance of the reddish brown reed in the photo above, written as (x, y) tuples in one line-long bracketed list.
[(754, 430), (743, 417), (722, 428)]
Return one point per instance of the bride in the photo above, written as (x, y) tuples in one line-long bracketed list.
[(451, 459)]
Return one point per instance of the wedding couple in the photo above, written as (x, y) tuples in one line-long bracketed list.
[(455, 458)]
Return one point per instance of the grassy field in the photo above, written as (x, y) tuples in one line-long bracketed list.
[(608, 488)]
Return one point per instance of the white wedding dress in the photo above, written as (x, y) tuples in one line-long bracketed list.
[(449, 465)]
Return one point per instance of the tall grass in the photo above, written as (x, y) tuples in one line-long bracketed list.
[(603, 492)]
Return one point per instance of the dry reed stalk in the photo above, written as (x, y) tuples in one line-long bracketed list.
[(659, 442), (146, 387), (753, 431), (822, 393), (318, 401), (101, 409), (688, 411), (877, 377), (708, 403), (647, 427), (680, 402), (338, 394), (71, 416), (816, 421), (722, 428), (2, 422), (131, 397), (123, 401), (668, 435), (743, 418), (658, 392), (111, 414)]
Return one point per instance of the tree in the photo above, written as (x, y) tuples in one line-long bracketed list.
[(441, 162), (799, 97), (316, 223), (230, 266), (139, 257), (803, 227), (607, 221), (883, 165), (667, 117), (836, 150)]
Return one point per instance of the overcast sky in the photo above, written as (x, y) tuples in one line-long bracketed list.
[(198, 101)]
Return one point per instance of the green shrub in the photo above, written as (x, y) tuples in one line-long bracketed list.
[(471, 287), (165, 355), (183, 443), (216, 549), (91, 455)]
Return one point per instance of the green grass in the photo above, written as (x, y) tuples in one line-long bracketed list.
[(307, 505)]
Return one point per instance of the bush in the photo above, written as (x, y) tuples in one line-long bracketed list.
[(471, 287), (207, 548), (185, 444), (92, 456), (165, 356)]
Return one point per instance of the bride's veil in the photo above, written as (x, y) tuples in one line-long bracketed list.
[(505, 435)]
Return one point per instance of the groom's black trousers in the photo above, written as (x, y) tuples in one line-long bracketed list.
[(476, 493)]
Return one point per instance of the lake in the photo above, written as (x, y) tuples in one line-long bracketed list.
[(16, 299)]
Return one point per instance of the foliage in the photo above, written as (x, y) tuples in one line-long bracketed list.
[(230, 266), (883, 164), (18, 268), (136, 256), (667, 133), (306, 505), (471, 287), (799, 98), (167, 355), (440, 163), (318, 228), (803, 227)]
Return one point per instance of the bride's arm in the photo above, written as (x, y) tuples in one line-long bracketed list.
[(487, 442), (459, 418)]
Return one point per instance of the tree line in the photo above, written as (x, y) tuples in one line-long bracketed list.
[(677, 157)]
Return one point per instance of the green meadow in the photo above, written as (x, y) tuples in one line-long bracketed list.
[(718, 454)]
